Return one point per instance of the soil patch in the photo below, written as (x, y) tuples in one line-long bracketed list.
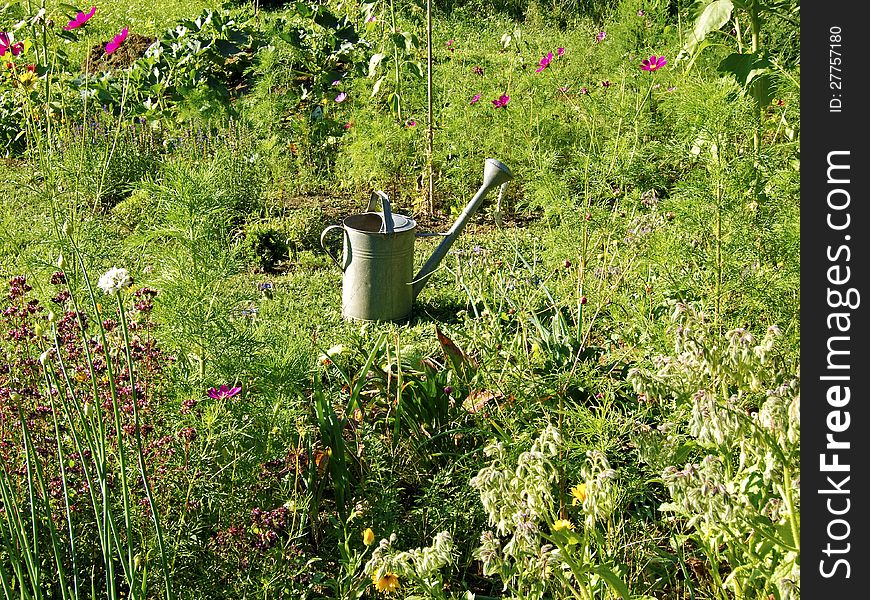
[(130, 51)]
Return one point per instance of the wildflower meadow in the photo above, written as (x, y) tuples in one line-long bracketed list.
[(595, 392)]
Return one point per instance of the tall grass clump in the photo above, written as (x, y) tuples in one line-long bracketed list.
[(81, 391)]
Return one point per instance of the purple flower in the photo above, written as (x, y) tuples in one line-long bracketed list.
[(641, 13), (560, 51), (477, 70), (564, 89), (653, 63), (341, 97), (605, 83), (584, 90), (450, 45), (475, 99), (223, 392), (80, 19), (116, 41), (411, 123), (6, 45), (600, 37), (348, 125), (501, 101), (545, 62)]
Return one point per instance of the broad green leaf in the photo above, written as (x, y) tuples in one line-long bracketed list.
[(714, 16), (613, 580), (374, 61), (415, 69), (752, 72), (377, 86)]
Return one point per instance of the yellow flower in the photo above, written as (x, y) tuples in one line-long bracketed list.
[(368, 537), (27, 80), (579, 493), (561, 524), (387, 584)]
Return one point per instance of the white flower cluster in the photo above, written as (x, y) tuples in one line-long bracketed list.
[(114, 280), (420, 565), (602, 493), (518, 500)]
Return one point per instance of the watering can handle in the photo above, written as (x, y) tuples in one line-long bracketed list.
[(388, 226), (325, 249)]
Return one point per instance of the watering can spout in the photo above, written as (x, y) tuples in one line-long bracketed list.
[(495, 174)]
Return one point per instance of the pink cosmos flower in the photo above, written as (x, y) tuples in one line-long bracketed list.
[(475, 99), (560, 51), (223, 392), (601, 35), (450, 45), (411, 123), (545, 62), (342, 96), (116, 41), (501, 101), (6, 45), (348, 125), (653, 63), (80, 19)]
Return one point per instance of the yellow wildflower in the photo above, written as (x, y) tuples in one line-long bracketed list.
[(27, 80), (561, 524), (387, 584), (368, 537), (579, 493)]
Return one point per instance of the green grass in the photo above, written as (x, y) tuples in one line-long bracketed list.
[(634, 208)]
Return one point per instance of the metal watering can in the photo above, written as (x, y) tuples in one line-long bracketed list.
[(378, 282)]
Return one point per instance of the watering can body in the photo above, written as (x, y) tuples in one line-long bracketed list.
[(377, 262)]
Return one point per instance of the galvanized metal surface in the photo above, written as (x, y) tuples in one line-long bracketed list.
[(378, 282)]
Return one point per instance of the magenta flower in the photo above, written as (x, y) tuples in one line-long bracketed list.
[(116, 41), (545, 62), (475, 99), (450, 45), (605, 83), (653, 63), (341, 97), (584, 90), (601, 35), (641, 13), (80, 19), (348, 125), (501, 101), (411, 123), (560, 51), (564, 89), (223, 392), (6, 45), (477, 70)]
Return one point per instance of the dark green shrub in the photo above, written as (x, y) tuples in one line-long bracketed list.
[(264, 244)]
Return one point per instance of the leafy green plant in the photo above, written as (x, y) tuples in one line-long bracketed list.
[(740, 502), (397, 59), (752, 66)]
